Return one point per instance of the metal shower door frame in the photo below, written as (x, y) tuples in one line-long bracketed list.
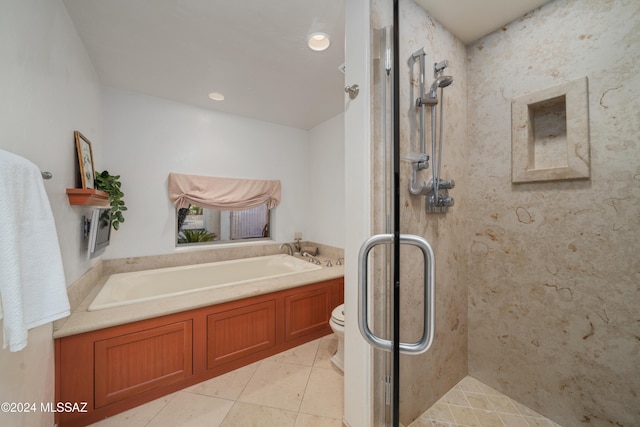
[(393, 238)]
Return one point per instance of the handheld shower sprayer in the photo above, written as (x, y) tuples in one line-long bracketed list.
[(432, 96), (441, 81)]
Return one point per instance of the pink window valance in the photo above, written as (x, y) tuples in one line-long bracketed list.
[(229, 194)]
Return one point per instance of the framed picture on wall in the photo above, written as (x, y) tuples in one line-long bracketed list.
[(85, 160)]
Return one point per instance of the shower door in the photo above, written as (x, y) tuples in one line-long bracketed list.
[(372, 385), (380, 291)]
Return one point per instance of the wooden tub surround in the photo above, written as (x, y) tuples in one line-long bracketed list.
[(117, 368)]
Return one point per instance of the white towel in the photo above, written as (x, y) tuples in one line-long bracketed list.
[(32, 284)]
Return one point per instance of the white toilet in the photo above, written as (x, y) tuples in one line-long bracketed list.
[(337, 324)]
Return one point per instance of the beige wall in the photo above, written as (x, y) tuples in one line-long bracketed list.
[(554, 267)]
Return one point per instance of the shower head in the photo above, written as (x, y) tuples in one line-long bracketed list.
[(442, 81)]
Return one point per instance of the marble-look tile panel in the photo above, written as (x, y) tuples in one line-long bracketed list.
[(277, 385), (553, 270), (249, 415), (136, 417), (304, 354), (226, 386), (324, 395), (192, 410)]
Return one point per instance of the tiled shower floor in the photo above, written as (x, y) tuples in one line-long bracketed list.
[(470, 403), (300, 388)]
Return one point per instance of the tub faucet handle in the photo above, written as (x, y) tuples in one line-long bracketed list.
[(311, 258), (339, 261), (329, 263)]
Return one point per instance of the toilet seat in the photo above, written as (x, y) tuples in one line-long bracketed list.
[(337, 315)]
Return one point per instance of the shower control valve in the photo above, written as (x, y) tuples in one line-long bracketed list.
[(443, 184), (440, 203), (446, 184), (446, 201)]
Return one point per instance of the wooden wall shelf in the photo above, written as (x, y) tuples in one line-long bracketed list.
[(87, 197)]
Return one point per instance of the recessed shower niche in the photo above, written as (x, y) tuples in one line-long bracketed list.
[(550, 134)]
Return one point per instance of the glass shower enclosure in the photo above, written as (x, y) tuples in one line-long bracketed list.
[(380, 288)]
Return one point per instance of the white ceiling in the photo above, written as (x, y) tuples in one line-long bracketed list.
[(471, 19), (252, 51)]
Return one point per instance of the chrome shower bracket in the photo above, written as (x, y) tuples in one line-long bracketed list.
[(438, 68), (414, 188), (419, 161)]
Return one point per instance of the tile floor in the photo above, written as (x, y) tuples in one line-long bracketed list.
[(297, 388), (301, 388), (471, 403)]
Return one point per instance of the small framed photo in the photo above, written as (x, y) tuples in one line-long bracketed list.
[(85, 160)]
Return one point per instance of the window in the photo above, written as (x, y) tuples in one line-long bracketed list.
[(197, 225), (213, 209)]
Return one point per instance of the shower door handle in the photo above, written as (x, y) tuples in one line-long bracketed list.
[(429, 294)]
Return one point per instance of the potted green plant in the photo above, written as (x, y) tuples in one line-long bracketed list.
[(196, 236), (111, 185)]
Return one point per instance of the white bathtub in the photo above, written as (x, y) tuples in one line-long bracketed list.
[(127, 288)]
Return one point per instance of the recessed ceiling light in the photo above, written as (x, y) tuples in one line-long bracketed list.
[(216, 96), (318, 41)]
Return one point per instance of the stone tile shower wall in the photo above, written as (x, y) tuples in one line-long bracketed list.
[(553, 267), (438, 370), (427, 377)]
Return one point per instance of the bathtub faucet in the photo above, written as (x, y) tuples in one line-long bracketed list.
[(312, 258), (289, 248)]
